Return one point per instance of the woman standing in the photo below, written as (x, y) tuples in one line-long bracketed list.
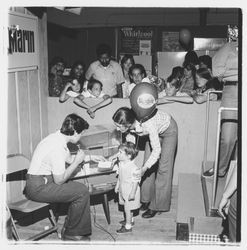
[(162, 131)]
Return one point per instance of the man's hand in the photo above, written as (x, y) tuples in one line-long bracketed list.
[(80, 156)]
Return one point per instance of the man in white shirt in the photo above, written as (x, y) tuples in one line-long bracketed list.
[(48, 177)]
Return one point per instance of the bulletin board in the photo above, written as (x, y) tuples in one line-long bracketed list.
[(22, 42)]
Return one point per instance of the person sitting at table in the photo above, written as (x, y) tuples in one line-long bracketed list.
[(94, 90), (128, 184), (48, 179)]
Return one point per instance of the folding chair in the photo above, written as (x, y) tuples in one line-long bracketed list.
[(17, 166)]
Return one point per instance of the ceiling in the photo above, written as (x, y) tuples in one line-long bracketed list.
[(84, 17)]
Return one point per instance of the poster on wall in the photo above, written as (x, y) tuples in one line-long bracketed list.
[(130, 38), (170, 42), (22, 42)]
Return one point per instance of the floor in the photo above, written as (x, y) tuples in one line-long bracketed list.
[(160, 229)]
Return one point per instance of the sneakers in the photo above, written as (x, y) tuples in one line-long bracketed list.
[(123, 222), (124, 230)]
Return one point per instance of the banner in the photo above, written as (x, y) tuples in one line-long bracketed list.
[(22, 41), (130, 38)]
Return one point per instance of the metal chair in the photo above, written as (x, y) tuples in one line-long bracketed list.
[(17, 166)]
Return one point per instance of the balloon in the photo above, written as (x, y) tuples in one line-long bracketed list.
[(143, 100), (185, 37)]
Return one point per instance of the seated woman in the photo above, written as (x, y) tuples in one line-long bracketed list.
[(126, 63), (188, 80), (137, 72), (94, 90), (71, 89), (205, 83)]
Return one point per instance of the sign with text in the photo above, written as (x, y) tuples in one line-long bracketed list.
[(130, 38), (22, 41)]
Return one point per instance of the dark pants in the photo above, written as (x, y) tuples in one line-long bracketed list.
[(78, 221), (232, 218), (229, 127), (156, 186)]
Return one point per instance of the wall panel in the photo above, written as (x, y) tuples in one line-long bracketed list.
[(24, 112), (34, 108), (12, 127)]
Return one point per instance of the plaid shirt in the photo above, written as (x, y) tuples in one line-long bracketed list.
[(153, 128)]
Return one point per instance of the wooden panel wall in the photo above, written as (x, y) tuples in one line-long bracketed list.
[(27, 100)]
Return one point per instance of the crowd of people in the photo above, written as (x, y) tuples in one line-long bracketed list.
[(149, 187), (186, 84)]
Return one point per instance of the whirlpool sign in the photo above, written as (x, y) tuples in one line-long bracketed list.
[(22, 42)]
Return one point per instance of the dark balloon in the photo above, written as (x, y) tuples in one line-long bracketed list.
[(185, 37), (143, 100)]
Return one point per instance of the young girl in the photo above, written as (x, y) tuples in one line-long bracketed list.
[(137, 72), (162, 131), (126, 63), (129, 177), (71, 89), (205, 82), (94, 90)]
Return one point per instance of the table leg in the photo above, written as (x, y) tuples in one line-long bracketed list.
[(106, 208)]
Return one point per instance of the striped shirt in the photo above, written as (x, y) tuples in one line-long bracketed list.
[(153, 128)]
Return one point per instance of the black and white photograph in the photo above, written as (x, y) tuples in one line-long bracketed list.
[(123, 124)]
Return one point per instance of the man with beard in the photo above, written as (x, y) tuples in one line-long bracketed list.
[(107, 71), (57, 81)]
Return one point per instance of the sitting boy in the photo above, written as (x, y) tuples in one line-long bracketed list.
[(94, 90)]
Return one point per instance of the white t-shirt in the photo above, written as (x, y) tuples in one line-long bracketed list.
[(50, 156), (87, 94)]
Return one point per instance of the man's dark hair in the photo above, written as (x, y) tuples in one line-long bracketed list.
[(73, 123), (103, 49)]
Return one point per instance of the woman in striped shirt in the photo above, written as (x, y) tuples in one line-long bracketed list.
[(162, 131)]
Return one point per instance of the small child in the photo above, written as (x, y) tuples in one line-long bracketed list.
[(72, 89), (129, 177), (171, 93), (94, 90)]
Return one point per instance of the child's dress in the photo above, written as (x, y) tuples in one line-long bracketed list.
[(128, 174)]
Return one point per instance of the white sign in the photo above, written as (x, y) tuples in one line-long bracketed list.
[(22, 42)]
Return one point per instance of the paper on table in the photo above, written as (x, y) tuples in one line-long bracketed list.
[(105, 164)]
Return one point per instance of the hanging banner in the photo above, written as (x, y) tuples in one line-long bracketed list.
[(22, 41), (130, 38)]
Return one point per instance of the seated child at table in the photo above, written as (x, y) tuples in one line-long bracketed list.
[(94, 90), (71, 90), (128, 184)]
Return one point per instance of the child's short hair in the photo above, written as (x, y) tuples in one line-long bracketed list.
[(175, 82), (138, 66), (130, 149), (92, 81)]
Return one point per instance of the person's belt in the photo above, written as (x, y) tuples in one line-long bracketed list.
[(29, 176), (231, 83)]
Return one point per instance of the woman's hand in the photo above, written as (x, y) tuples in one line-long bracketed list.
[(116, 189), (131, 196)]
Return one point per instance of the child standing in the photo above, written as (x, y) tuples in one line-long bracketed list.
[(129, 177), (94, 90)]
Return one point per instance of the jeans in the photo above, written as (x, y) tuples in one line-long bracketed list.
[(78, 221), (156, 186), (229, 127)]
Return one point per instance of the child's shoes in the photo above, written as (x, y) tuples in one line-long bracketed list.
[(123, 222), (124, 230)]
